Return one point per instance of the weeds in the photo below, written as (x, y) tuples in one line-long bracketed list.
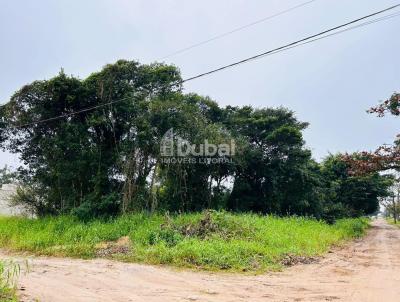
[(9, 272), (209, 240)]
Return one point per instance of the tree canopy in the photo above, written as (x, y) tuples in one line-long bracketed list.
[(92, 147)]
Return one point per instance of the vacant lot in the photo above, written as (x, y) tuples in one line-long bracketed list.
[(211, 240), (364, 270)]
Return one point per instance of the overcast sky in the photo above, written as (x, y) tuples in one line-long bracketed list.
[(329, 84)]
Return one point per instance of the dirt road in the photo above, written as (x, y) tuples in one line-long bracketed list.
[(367, 270)]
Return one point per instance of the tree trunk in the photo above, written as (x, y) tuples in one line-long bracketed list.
[(152, 190)]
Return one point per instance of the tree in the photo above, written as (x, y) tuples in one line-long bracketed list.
[(347, 194), (107, 160), (392, 201), (386, 157), (77, 162), (273, 172), (190, 186)]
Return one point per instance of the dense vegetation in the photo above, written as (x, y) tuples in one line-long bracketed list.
[(211, 240), (107, 161)]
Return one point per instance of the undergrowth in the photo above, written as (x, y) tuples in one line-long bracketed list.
[(209, 240)]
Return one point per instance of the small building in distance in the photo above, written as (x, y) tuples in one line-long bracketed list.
[(6, 192)]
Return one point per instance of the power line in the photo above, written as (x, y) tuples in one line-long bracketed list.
[(330, 35), (291, 44), (72, 113), (219, 36), (340, 32), (315, 39), (222, 35), (322, 35)]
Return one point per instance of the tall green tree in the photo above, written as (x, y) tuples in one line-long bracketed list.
[(79, 161), (92, 147), (351, 195), (273, 174)]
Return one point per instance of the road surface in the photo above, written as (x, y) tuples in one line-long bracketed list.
[(366, 270)]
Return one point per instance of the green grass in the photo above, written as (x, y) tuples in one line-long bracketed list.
[(391, 221), (211, 240)]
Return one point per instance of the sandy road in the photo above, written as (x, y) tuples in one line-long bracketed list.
[(367, 270)]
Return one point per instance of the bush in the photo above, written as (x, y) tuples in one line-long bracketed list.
[(29, 198), (94, 207)]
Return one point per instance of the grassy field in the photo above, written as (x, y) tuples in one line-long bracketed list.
[(210, 240)]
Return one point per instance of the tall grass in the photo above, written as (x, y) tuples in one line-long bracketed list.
[(9, 272), (211, 241)]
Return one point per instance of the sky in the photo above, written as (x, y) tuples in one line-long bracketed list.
[(330, 83)]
